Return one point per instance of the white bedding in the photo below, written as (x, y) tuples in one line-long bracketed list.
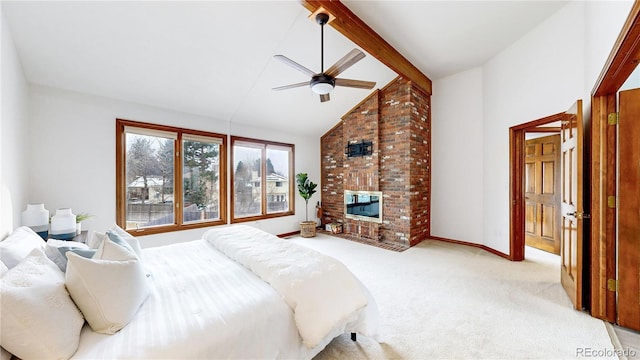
[(320, 290), (205, 305)]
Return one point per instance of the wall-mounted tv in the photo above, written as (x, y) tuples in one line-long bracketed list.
[(363, 205)]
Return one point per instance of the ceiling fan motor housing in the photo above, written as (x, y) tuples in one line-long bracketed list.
[(322, 83)]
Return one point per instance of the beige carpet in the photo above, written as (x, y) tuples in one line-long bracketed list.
[(444, 301)]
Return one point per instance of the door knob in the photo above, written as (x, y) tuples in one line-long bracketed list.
[(579, 215)]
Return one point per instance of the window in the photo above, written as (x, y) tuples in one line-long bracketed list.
[(255, 196), (168, 178)]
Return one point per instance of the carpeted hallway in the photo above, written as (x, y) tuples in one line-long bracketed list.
[(445, 301)]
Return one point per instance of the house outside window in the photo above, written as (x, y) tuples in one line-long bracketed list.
[(168, 178), (255, 196)]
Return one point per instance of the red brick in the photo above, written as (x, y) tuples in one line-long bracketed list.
[(397, 121)]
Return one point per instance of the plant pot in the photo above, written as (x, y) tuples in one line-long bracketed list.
[(308, 229)]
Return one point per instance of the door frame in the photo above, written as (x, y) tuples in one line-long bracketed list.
[(517, 182), (619, 66)]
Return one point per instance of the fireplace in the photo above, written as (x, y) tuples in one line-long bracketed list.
[(363, 205)]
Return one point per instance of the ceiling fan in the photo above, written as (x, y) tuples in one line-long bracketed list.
[(325, 81)]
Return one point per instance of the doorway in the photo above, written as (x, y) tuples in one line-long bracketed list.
[(573, 229), (518, 180), (542, 188)]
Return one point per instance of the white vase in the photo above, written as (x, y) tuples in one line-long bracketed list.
[(37, 218), (63, 225)]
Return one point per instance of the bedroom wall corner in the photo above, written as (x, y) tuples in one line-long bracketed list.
[(14, 145), (456, 175)]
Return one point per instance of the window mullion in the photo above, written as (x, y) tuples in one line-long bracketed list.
[(263, 187), (292, 182), (121, 177), (178, 179)]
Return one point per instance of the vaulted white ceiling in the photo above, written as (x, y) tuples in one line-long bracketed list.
[(215, 58)]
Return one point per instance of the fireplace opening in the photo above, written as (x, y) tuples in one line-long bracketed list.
[(363, 205)]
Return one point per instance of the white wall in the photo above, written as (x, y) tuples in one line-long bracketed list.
[(456, 169), (541, 74), (604, 20), (14, 141), (73, 155)]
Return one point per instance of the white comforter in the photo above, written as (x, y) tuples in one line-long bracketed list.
[(320, 290)]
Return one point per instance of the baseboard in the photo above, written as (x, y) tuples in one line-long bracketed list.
[(288, 234), (466, 243), (459, 242)]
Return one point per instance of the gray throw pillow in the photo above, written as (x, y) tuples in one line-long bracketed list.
[(87, 253)]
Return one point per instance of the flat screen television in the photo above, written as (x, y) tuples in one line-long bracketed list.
[(363, 205)]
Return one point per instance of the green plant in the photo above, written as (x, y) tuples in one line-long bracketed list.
[(306, 188), (83, 216)]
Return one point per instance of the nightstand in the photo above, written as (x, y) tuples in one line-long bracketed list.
[(83, 237)]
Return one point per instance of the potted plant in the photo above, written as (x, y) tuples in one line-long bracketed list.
[(306, 188), (79, 219)]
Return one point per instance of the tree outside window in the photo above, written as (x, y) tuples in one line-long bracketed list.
[(154, 194), (260, 180)]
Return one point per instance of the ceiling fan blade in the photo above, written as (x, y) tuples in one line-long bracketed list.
[(355, 83), (285, 87), (324, 97), (343, 64), (294, 65)]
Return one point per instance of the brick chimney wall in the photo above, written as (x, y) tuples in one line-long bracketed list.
[(397, 120), (420, 178), (332, 175)]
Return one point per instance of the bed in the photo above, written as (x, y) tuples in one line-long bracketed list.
[(237, 293)]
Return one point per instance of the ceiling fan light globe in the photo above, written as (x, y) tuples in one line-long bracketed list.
[(321, 88), (322, 84)]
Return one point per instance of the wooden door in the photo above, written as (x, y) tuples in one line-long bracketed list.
[(542, 193), (629, 209), (572, 138)]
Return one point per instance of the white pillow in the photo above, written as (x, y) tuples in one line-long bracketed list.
[(109, 288), (52, 250), (132, 240), (95, 239), (98, 237), (18, 245), (39, 319)]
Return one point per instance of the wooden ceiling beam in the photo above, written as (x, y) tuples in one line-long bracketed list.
[(356, 30)]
